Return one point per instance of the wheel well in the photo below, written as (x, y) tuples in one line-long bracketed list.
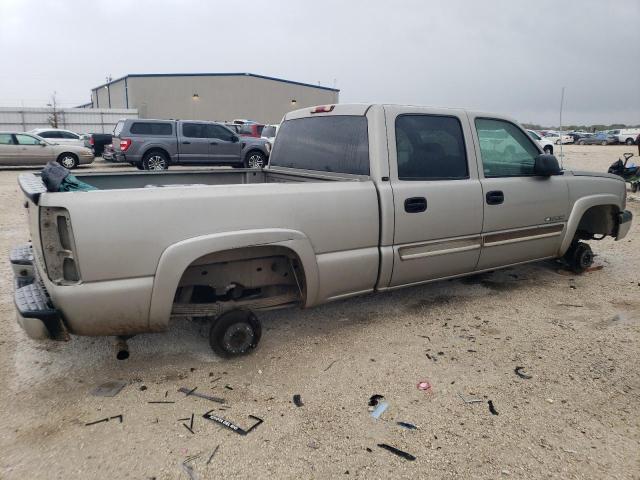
[(255, 150), (597, 220), (67, 153), (251, 277), (157, 149), (548, 147)]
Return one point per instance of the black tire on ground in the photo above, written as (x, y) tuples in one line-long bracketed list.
[(629, 141), (603, 143), (235, 333), (255, 159), (155, 160), (548, 150), (579, 257), (68, 160), (634, 187), (557, 142), (581, 142)]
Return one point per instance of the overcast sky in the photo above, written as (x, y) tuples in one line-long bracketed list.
[(510, 56)]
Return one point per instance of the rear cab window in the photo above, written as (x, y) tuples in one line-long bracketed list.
[(336, 143), (151, 128)]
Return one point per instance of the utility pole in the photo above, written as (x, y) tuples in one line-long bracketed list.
[(561, 104)]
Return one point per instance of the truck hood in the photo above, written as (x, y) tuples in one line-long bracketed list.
[(585, 173)]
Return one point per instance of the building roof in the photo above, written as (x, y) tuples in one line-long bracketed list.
[(134, 75)]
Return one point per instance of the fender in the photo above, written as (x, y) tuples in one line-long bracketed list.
[(177, 257), (579, 207)]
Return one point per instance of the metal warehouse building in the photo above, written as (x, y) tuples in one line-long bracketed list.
[(210, 96)]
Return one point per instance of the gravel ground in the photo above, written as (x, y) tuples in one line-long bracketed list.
[(577, 417)]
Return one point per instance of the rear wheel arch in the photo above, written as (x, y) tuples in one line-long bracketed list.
[(177, 258)]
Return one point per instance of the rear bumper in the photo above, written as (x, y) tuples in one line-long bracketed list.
[(624, 224), (34, 311)]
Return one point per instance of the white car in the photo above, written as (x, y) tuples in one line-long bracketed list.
[(557, 138), (545, 143), (626, 135), (62, 137), (269, 133)]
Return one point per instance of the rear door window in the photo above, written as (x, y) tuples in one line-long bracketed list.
[(430, 147), (151, 128), (27, 140), (194, 130), (50, 134), (6, 139), (337, 143)]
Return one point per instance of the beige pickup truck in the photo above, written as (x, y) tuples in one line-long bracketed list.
[(357, 198)]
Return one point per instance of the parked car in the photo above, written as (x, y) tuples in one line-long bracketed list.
[(157, 144), (545, 144), (98, 141), (626, 135), (578, 135), (26, 149), (356, 199), (246, 129), (558, 138), (598, 139), (63, 137)]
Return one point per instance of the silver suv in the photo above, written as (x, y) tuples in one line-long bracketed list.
[(157, 144)]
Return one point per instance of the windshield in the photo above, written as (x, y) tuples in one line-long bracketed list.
[(117, 130)]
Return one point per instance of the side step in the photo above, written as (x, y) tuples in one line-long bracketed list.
[(32, 301), (21, 259)]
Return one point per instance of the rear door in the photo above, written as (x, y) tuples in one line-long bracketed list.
[(193, 142), (436, 192), (224, 145), (524, 214)]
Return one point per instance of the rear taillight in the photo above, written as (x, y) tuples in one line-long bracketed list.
[(58, 246), (92, 142), (125, 143)]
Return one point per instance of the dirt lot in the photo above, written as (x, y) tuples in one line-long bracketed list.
[(577, 417)]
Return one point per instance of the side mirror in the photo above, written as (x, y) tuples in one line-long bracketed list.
[(43, 143), (546, 165), (235, 139)]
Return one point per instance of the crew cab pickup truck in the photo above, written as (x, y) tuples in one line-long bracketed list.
[(157, 144), (356, 199)]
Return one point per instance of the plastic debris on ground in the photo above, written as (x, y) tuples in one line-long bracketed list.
[(425, 386), (379, 410), (108, 389), (492, 409), (408, 426), (519, 371), (297, 400)]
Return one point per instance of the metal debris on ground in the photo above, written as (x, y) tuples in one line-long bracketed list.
[(379, 410), (397, 451), (409, 426), (188, 469), (212, 454), (190, 426), (297, 400), (519, 371), (330, 365), (470, 400), (193, 393), (230, 425), (160, 401), (228, 387), (424, 385), (492, 409), (119, 417), (109, 389)]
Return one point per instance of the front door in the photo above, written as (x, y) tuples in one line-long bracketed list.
[(193, 143), (524, 215), (224, 146), (436, 192), (31, 151), (8, 149)]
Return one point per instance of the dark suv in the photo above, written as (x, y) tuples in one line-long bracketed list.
[(156, 144)]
